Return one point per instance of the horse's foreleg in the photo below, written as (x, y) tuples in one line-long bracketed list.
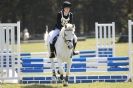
[(60, 64), (67, 73), (68, 68)]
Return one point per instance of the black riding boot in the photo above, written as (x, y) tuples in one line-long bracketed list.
[(52, 47), (52, 51)]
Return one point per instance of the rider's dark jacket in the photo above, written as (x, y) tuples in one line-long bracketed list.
[(62, 19)]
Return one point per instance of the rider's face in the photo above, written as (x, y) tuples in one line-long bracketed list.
[(66, 9)]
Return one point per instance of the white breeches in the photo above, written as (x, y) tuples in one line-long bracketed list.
[(52, 35)]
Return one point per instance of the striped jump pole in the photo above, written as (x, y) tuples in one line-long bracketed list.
[(109, 64)]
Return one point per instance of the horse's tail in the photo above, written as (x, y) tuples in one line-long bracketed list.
[(46, 36)]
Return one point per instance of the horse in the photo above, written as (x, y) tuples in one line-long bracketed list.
[(64, 51)]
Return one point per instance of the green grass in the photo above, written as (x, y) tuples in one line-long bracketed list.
[(85, 85), (41, 47), (89, 44)]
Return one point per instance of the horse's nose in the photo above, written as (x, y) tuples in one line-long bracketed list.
[(70, 45)]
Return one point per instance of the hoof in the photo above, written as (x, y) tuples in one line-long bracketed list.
[(54, 79), (0, 82), (58, 72), (129, 80), (54, 82), (65, 84), (61, 78)]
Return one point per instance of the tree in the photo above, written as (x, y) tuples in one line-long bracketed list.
[(35, 14)]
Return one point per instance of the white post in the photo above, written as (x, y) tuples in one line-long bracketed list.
[(113, 38), (1, 60), (9, 51), (18, 49), (105, 36), (130, 51), (101, 39), (13, 47), (96, 35), (109, 34)]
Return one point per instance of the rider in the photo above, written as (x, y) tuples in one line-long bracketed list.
[(63, 17)]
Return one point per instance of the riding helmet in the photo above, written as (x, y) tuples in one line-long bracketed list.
[(66, 4)]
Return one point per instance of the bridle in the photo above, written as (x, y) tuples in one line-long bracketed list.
[(67, 42)]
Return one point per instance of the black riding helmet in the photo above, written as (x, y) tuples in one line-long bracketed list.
[(66, 4)]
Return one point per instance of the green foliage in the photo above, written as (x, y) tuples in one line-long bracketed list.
[(35, 14)]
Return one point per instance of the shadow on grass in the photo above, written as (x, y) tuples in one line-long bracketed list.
[(39, 86)]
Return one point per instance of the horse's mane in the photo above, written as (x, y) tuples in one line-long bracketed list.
[(69, 27)]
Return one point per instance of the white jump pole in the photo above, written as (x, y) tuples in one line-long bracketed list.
[(130, 47)]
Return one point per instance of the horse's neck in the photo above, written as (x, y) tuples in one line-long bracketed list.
[(61, 42), (62, 50)]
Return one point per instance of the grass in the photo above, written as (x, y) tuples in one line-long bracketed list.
[(89, 44), (85, 85), (41, 47)]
